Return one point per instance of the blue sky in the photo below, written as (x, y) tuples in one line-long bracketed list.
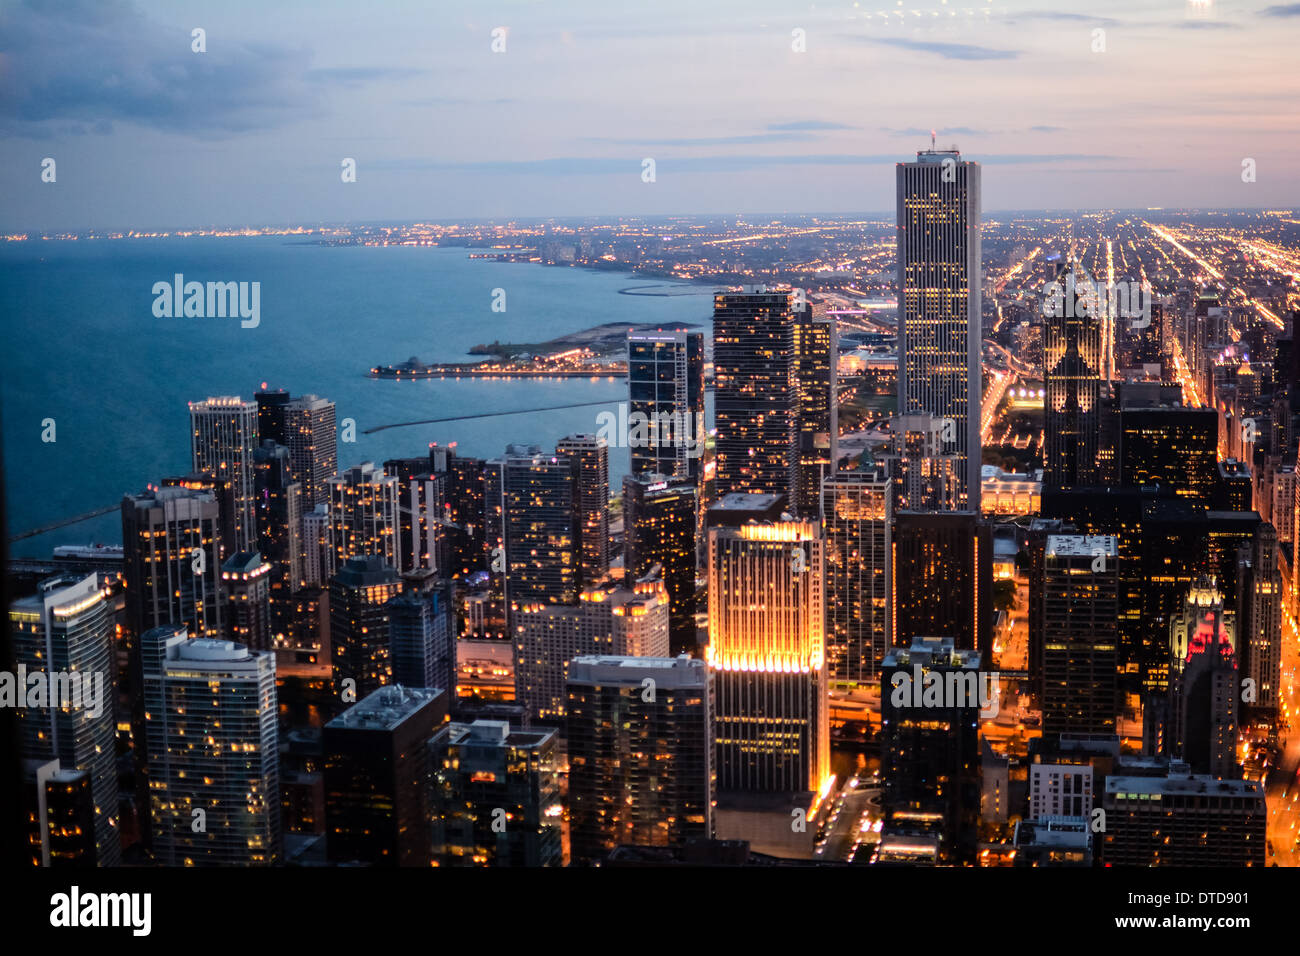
[(147, 133)]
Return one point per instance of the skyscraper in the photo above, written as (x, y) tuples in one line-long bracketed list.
[(754, 391), (1175, 448), (530, 513), (925, 474), (1072, 379), (589, 457), (610, 619), (377, 766), (1259, 618), (943, 579), (1183, 819), (767, 647), (640, 744), (1204, 684), (64, 633), (857, 515), (665, 385), (213, 751), (422, 639), (172, 564), (1080, 628), (660, 514), (359, 624), (246, 579), (363, 514), (930, 755), (224, 439), (496, 796), (278, 503), (421, 515), (816, 353), (940, 274), (312, 439)]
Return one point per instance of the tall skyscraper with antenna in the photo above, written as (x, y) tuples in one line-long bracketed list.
[(939, 303)]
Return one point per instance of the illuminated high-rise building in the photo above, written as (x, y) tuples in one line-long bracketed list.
[(1259, 618), (754, 391), (1072, 380), (943, 579), (64, 633), (767, 648), (816, 353), (610, 619), (1174, 448), (1183, 820), (377, 765), (930, 753), (278, 503), (246, 579), (939, 304), (271, 417), (465, 510), (496, 796), (421, 515), (173, 552), (1080, 607), (640, 764), (224, 437), (1204, 684), (924, 474), (530, 513), (665, 386), (422, 639), (589, 457), (213, 751), (660, 514), (857, 516), (359, 624), (312, 440), (318, 558), (363, 514)]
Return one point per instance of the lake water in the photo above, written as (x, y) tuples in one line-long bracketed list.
[(84, 348)]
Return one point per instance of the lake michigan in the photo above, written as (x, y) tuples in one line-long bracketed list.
[(84, 348)]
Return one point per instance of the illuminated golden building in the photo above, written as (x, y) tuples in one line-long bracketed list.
[(767, 644)]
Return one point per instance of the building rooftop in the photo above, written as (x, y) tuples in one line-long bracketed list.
[(1081, 545), (931, 652), (1183, 784), (385, 708), (668, 673)]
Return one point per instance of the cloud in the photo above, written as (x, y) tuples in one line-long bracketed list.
[(356, 75), (745, 140), (807, 125), (1209, 25), (939, 130), (89, 61), (607, 166), (99, 62), (949, 51), (1046, 129), (1281, 10), (1063, 17)]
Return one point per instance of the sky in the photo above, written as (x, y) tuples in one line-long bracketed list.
[(745, 106)]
